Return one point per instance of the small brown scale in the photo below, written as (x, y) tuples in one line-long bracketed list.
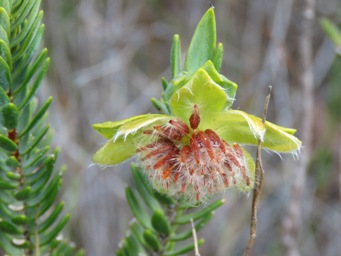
[(205, 166)]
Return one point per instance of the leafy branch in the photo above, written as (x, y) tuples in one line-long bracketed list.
[(30, 221)]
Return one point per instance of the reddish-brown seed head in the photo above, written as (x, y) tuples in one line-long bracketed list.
[(194, 119)]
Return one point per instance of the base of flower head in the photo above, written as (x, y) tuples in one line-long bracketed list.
[(190, 164)]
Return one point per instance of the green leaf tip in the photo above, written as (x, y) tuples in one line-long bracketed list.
[(332, 31), (175, 56), (203, 43)]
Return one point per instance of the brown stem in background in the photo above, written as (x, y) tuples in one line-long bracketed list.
[(293, 222), (259, 178)]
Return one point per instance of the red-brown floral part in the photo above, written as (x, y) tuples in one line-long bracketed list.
[(185, 162)]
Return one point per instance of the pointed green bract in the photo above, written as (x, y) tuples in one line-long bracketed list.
[(239, 127), (200, 90), (203, 44)]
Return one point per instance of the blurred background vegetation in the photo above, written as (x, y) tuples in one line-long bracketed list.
[(107, 60)]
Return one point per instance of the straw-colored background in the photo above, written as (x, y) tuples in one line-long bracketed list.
[(107, 60)]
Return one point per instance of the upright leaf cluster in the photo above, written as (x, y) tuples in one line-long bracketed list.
[(30, 221), (161, 222)]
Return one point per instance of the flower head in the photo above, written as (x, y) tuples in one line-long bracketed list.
[(194, 150)]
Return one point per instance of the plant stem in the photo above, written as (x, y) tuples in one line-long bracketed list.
[(259, 178)]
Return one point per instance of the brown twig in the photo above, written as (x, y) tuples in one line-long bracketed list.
[(259, 177)]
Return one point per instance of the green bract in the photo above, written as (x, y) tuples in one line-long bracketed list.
[(197, 120)]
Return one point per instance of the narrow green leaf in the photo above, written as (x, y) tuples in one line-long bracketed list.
[(157, 103), (23, 194), (151, 240), (133, 246), (199, 213), (10, 115), (137, 230), (13, 175), (20, 15), (45, 167), (332, 31), (12, 162), (9, 228), (36, 159), (48, 237), (169, 246), (30, 24), (7, 144), (31, 46), (6, 184), (43, 195), (198, 226), (203, 43), (35, 142), (122, 251), (175, 57), (6, 5), (37, 117), (4, 35), (5, 53), (36, 66), (160, 223), (63, 249), (164, 199), (5, 75), (144, 189), (4, 99), (50, 197), (138, 210), (184, 250), (36, 83), (52, 217), (164, 83), (20, 219)]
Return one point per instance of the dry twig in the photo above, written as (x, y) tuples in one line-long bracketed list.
[(196, 247), (259, 175)]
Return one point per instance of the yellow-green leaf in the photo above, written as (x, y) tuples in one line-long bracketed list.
[(128, 126), (202, 91), (115, 152)]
